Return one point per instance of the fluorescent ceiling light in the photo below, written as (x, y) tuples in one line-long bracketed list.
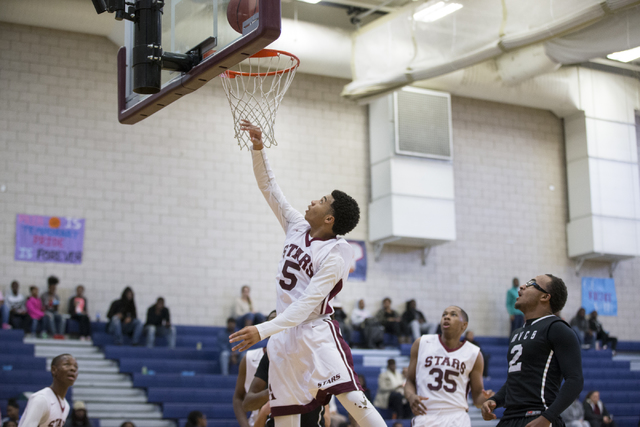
[(436, 11), (626, 55), (311, 1)]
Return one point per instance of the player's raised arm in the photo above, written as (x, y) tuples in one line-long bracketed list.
[(410, 390), (272, 193)]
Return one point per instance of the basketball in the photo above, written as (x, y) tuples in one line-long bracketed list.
[(239, 11)]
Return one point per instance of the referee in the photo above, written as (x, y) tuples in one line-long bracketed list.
[(541, 354)]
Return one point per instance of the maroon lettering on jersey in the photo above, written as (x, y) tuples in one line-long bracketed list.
[(299, 252), (456, 364), (463, 367), (428, 362), (438, 359), (292, 248), (446, 361), (306, 259)]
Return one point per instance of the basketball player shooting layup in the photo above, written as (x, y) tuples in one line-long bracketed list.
[(309, 359), (541, 353), (440, 371), (48, 407)]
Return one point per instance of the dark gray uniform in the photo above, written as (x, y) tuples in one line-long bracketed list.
[(541, 354)]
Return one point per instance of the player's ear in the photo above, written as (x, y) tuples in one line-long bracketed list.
[(329, 219)]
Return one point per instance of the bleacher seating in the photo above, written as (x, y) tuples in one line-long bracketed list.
[(185, 378)]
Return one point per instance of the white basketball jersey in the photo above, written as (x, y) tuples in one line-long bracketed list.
[(252, 358), (442, 375), (44, 409)]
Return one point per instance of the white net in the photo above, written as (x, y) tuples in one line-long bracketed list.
[(255, 88)]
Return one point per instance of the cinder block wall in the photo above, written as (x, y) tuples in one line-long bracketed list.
[(172, 209)]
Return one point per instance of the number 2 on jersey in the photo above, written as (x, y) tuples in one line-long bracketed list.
[(514, 365), (289, 275)]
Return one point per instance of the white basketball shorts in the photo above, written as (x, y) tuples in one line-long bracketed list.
[(308, 364), (443, 418)]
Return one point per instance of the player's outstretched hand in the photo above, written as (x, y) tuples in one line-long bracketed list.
[(487, 410), (417, 407), (255, 133), (487, 393), (539, 422), (248, 336)]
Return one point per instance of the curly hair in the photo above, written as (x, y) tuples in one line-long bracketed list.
[(346, 212), (558, 291)]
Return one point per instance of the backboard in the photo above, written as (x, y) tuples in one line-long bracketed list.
[(188, 26)]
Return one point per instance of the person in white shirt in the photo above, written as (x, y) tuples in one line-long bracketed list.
[(15, 301), (359, 315), (48, 407), (309, 359), (244, 311), (391, 392)]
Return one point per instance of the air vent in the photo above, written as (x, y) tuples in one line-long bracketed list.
[(423, 123)]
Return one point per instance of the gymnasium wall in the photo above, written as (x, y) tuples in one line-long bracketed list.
[(172, 209)]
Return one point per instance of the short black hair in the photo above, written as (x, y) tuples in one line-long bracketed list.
[(346, 212), (56, 360), (231, 319), (32, 287), (465, 316), (558, 291), (193, 417), (52, 281), (13, 402)]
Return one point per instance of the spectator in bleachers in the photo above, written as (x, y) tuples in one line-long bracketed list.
[(244, 311), (78, 416), (573, 416), (397, 424), (470, 336), (51, 303), (123, 318), (413, 320), (78, 312), (227, 356), (196, 419), (341, 317), (10, 423), (18, 317), (127, 424), (36, 313), (391, 392), (359, 315), (601, 334), (515, 316), (159, 321), (390, 319), (13, 411), (595, 412), (580, 326)]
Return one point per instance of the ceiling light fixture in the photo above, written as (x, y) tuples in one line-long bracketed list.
[(311, 1), (436, 11), (625, 55)]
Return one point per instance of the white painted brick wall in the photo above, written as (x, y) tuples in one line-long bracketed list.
[(172, 209)]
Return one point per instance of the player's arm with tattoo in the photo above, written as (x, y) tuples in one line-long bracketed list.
[(478, 394), (410, 390)]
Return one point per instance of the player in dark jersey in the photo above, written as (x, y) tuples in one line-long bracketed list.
[(541, 354)]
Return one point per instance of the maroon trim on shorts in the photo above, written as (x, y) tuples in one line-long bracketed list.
[(451, 350), (279, 411), (347, 357)]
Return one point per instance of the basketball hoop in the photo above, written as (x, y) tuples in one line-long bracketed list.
[(255, 88)]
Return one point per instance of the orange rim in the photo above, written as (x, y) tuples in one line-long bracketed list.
[(266, 53)]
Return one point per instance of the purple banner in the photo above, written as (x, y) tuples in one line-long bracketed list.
[(49, 239), (358, 270)]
